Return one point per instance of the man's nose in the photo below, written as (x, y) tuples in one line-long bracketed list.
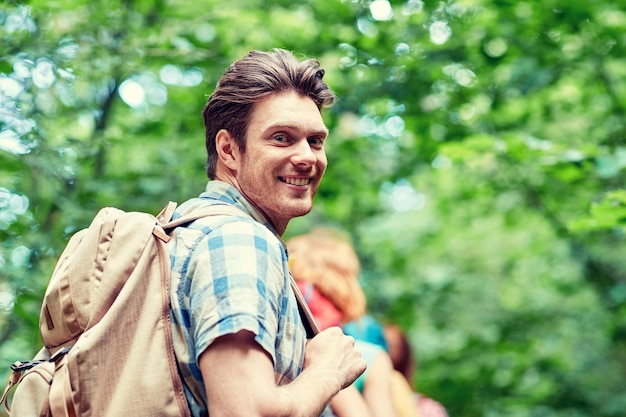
[(303, 154)]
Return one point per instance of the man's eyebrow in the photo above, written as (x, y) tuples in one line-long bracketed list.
[(323, 132)]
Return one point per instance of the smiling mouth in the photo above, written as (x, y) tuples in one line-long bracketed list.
[(295, 181)]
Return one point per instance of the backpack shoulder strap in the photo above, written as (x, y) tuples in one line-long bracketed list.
[(310, 324), (213, 210)]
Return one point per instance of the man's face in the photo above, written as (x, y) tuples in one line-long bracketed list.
[(284, 160)]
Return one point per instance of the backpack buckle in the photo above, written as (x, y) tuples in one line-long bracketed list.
[(21, 366)]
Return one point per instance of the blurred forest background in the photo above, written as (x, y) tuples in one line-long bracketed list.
[(476, 159)]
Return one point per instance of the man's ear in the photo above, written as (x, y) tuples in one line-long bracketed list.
[(227, 150)]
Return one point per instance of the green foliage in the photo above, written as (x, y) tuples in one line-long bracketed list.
[(608, 213), (476, 157)]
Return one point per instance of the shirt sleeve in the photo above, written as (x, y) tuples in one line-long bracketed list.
[(236, 284)]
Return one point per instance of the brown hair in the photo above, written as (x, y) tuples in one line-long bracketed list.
[(251, 79), (329, 262), (400, 352)]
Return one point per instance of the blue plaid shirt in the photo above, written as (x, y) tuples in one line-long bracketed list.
[(230, 273)]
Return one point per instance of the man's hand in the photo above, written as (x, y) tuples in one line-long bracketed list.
[(239, 376), (331, 354)]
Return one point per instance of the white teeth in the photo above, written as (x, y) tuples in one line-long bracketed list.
[(297, 181)]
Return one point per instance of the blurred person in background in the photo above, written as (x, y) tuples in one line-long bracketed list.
[(394, 341), (404, 362), (326, 269)]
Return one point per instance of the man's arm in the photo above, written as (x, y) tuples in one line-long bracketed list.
[(240, 381)]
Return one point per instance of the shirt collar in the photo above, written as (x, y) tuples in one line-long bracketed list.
[(224, 192)]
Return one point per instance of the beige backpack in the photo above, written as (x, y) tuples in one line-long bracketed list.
[(105, 324)]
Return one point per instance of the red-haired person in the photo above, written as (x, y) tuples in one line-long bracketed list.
[(326, 269)]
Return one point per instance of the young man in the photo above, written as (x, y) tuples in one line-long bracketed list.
[(239, 340)]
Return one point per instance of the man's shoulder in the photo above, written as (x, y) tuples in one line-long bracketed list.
[(227, 225), (245, 231), (233, 225)]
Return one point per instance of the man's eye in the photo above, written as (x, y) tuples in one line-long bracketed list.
[(316, 141), (281, 138)]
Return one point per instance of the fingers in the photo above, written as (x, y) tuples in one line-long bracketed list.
[(336, 351)]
